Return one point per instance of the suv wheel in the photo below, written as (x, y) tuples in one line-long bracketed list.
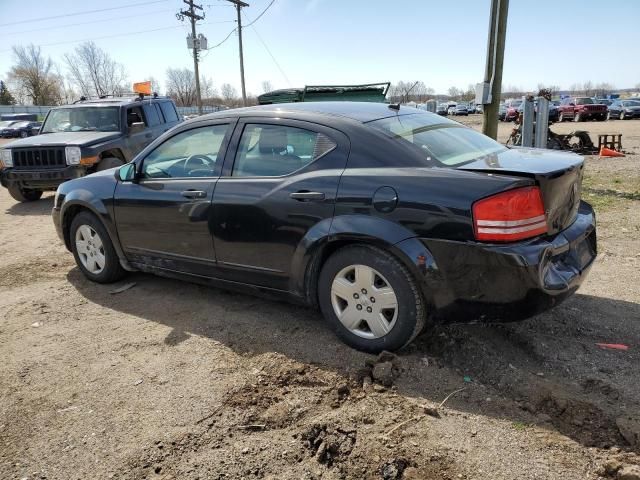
[(93, 250), (560, 117), (370, 299), (109, 162), (577, 117), (24, 194)]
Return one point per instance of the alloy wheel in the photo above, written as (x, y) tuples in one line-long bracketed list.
[(364, 301), (90, 249)]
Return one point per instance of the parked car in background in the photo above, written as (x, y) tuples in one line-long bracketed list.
[(451, 109), (502, 112), (553, 111), (511, 112), (19, 129), (461, 109), (441, 109), (580, 109), (35, 128), (7, 123), (388, 218), (624, 109), (86, 137)]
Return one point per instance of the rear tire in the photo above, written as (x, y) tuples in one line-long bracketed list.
[(609, 117), (109, 162), (348, 282), (24, 194), (93, 250), (24, 134)]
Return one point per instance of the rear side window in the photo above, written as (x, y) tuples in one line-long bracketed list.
[(438, 139), (169, 111), (152, 115), (277, 150)]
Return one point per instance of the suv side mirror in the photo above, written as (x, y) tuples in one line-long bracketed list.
[(136, 127), (126, 173), (572, 104)]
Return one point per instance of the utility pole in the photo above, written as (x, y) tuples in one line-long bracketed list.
[(194, 17), (239, 5), (495, 61)]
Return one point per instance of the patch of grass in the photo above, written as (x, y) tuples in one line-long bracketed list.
[(617, 180), (519, 425), (598, 201)]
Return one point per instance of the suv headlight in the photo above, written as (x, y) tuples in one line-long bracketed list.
[(73, 155), (6, 158)]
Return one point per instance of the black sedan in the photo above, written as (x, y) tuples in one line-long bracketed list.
[(387, 218), (624, 109), (20, 129)]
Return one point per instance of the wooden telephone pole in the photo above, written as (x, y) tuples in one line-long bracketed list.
[(194, 17), (239, 4)]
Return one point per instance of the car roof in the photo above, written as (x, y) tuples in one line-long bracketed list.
[(358, 111)]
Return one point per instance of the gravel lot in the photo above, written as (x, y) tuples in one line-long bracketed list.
[(172, 380)]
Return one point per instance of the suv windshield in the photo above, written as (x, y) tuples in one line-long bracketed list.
[(76, 119), (443, 140), (584, 101)]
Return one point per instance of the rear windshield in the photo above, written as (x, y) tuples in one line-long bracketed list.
[(438, 139)]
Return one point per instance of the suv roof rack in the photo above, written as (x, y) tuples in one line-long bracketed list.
[(128, 95)]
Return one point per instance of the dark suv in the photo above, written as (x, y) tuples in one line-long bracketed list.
[(85, 137)]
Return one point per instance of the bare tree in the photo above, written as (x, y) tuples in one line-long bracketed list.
[(454, 92), (33, 77), (228, 92), (181, 86), (554, 89), (266, 86), (603, 88), (588, 88), (94, 72)]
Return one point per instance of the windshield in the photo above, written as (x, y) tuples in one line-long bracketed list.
[(6, 123), (584, 101), (443, 140), (20, 124), (99, 119)]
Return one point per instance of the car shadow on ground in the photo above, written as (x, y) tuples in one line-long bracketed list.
[(39, 207), (547, 370)]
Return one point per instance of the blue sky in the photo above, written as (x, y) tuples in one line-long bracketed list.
[(442, 43)]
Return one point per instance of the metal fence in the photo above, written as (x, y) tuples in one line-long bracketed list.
[(43, 110)]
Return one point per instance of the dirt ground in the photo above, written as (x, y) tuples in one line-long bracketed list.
[(169, 380)]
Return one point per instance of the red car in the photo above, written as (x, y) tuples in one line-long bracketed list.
[(580, 109), (511, 109)]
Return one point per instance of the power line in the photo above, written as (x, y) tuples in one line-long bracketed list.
[(271, 55), (110, 19), (83, 13), (103, 37), (263, 12)]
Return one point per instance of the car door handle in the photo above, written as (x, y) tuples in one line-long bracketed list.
[(305, 196), (194, 194)]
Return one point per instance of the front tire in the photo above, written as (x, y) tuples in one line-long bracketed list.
[(560, 117), (622, 115), (24, 194), (370, 299), (93, 250), (577, 117)]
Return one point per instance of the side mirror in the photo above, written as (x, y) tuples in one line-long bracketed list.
[(126, 173), (572, 104), (136, 127)]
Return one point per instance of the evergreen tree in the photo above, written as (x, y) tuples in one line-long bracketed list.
[(5, 95)]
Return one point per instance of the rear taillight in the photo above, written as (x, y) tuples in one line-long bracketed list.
[(509, 216)]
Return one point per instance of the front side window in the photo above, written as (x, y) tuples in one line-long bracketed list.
[(80, 119), (193, 153), (438, 139), (277, 150)]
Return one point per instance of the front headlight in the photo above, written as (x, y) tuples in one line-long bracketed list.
[(73, 155), (6, 158)]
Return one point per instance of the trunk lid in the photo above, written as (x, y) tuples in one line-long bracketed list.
[(559, 176)]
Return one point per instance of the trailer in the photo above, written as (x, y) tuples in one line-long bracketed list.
[(371, 92)]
